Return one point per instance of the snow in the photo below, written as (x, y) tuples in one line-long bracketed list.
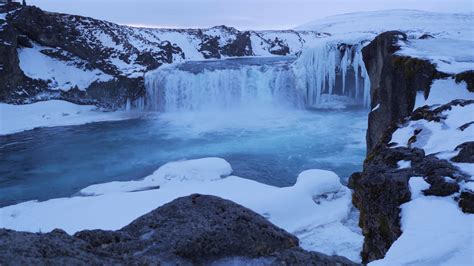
[(450, 55), (439, 137), (316, 205), (443, 91), (402, 164), (435, 232), (317, 67), (442, 137), (376, 107), (414, 22), (63, 75), (16, 118)]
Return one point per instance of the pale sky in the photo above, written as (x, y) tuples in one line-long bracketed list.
[(242, 14)]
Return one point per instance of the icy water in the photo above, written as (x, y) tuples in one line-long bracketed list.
[(272, 147)]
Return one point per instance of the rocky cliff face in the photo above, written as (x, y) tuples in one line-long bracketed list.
[(394, 82), (383, 185), (58, 56), (192, 230)]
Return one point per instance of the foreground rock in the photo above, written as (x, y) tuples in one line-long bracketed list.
[(196, 229)]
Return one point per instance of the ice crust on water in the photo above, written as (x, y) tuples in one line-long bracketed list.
[(318, 202)]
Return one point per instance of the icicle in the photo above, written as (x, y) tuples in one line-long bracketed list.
[(344, 64), (128, 105)]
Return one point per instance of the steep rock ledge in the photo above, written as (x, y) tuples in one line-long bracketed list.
[(382, 186), (394, 82), (196, 229)]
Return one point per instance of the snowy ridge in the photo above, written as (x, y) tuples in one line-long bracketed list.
[(124, 49), (414, 22)]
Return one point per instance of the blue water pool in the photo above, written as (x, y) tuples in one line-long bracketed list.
[(270, 146)]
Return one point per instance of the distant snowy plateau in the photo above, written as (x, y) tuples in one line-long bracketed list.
[(90, 55)]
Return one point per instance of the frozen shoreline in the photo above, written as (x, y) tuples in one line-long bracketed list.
[(18, 118), (320, 221)]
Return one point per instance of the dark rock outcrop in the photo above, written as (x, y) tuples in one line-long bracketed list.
[(466, 153), (468, 77), (394, 82), (196, 229)]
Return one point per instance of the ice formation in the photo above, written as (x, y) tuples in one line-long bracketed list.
[(328, 69)]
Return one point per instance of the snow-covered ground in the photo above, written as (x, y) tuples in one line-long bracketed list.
[(435, 232), (17, 118), (449, 55), (317, 208), (414, 22)]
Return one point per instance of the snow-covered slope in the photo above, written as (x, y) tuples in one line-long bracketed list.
[(16, 118), (415, 22)]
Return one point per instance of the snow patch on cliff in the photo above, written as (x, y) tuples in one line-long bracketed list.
[(435, 232), (64, 75)]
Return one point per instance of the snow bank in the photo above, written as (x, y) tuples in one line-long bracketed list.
[(449, 55), (16, 118), (435, 232), (316, 204), (443, 91), (415, 22), (439, 137)]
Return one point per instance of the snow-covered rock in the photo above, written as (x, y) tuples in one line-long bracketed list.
[(317, 203)]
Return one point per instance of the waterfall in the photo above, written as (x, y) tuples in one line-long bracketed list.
[(322, 75), (230, 83), (331, 69)]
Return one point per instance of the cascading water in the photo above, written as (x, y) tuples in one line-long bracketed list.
[(229, 83), (323, 75)]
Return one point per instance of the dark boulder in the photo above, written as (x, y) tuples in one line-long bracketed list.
[(466, 201), (196, 229)]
